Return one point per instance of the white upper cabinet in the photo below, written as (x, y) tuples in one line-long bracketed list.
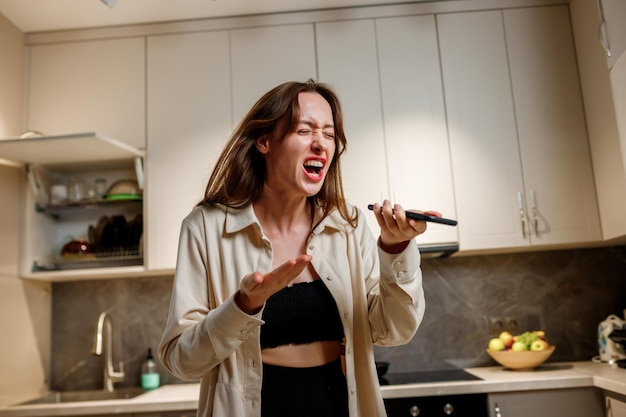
[(390, 89), (264, 57), (416, 138), (611, 29), (88, 86), (189, 121), (521, 165), (604, 95), (354, 76), (476, 114), (195, 99), (481, 122), (618, 85), (558, 176), (614, 17)]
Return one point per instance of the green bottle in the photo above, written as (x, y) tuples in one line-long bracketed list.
[(150, 378)]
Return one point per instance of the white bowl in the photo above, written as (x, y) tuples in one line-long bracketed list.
[(124, 187)]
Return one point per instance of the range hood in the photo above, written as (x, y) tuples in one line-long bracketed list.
[(438, 250)]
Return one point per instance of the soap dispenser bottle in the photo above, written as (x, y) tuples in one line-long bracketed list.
[(150, 378)]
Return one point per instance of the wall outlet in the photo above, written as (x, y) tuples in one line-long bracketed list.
[(499, 324)]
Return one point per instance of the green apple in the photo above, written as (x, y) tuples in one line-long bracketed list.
[(539, 345), (496, 344), (519, 346)]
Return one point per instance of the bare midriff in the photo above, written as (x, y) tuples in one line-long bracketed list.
[(303, 356)]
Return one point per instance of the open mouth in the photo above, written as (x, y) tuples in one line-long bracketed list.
[(314, 167)]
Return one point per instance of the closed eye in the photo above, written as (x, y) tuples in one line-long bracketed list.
[(307, 132)]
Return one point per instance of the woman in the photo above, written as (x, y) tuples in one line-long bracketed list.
[(279, 281)]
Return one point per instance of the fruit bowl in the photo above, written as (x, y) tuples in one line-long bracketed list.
[(526, 359)]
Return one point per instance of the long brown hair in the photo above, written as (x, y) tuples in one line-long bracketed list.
[(239, 173)]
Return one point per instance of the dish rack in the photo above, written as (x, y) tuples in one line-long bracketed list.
[(101, 259)]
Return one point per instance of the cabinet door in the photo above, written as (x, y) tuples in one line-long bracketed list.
[(11, 183), (521, 164), (613, 31), (347, 60), (602, 116), (189, 121), (615, 407), (558, 177), (416, 140), (547, 403), (618, 85), (481, 122), (615, 13), (264, 57), (88, 86)]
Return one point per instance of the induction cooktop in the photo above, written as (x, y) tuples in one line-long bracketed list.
[(420, 377)]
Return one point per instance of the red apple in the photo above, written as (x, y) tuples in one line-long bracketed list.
[(507, 339)]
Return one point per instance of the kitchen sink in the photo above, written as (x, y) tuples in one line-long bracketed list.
[(78, 396)]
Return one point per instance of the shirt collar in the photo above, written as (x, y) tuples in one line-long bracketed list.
[(238, 219)]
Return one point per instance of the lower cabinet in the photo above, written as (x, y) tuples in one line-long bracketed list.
[(615, 405), (584, 402)]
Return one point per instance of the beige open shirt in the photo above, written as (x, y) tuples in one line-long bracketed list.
[(208, 338)]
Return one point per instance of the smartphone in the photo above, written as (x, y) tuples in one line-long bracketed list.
[(426, 217)]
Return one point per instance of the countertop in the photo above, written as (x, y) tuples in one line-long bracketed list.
[(181, 397)]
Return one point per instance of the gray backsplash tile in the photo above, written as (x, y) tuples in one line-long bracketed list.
[(565, 292)]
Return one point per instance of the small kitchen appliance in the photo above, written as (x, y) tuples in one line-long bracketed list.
[(611, 347)]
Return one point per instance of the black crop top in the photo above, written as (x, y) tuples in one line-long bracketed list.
[(303, 313)]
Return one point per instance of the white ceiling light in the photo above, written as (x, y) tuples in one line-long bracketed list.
[(109, 3)]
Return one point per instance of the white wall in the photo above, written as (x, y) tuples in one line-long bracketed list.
[(24, 306)]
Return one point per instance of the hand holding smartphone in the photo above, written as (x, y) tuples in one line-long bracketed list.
[(425, 217)]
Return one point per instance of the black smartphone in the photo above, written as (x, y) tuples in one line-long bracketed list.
[(426, 217)]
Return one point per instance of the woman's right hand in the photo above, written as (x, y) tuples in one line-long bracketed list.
[(256, 288)]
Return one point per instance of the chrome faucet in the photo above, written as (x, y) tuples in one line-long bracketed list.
[(110, 376)]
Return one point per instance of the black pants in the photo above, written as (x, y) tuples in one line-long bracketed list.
[(304, 392)]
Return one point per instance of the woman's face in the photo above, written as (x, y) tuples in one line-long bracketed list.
[(298, 162)]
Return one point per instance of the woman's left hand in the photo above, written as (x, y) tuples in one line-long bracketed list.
[(395, 229)]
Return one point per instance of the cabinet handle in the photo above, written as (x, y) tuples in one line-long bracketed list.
[(534, 210), (603, 35), (496, 410), (522, 214), (139, 171)]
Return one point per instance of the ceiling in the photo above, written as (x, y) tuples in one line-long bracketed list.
[(49, 15)]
